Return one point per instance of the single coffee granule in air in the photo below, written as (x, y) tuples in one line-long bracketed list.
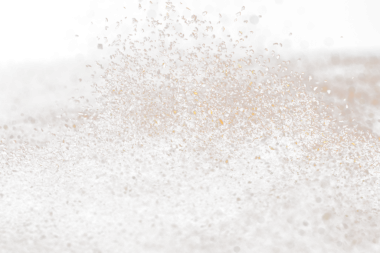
[(199, 140)]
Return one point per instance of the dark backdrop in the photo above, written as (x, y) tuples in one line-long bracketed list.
[(44, 30)]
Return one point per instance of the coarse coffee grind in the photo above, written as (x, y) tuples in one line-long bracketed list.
[(194, 143)]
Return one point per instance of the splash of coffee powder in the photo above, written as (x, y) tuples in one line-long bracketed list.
[(191, 149)]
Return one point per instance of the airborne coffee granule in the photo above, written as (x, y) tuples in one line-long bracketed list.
[(199, 140)]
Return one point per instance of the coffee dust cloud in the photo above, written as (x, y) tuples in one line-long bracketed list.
[(194, 138)]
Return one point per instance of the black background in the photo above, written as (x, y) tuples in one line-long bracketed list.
[(44, 30)]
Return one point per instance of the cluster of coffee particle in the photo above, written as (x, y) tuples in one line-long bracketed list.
[(198, 141), (352, 100)]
